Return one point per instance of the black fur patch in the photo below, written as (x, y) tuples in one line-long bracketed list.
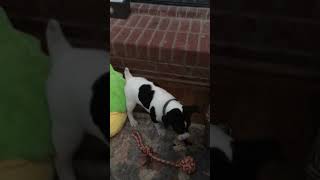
[(99, 107), (175, 119), (187, 113), (145, 95), (222, 168), (153, 115)]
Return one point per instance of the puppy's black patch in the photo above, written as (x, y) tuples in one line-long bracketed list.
[(145, 95), (153, 115), (222, 168), (175, 119), (187, 113), (99, 105)]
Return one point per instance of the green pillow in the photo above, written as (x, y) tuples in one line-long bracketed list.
[(117, 96), (25, 131)]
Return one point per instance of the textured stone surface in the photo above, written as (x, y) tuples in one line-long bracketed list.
[(128, 162)]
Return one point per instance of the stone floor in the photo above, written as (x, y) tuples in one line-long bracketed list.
[(127, 161)]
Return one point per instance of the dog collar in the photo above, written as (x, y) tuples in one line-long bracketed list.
[(165, 106)]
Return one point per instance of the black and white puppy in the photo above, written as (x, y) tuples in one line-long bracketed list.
[(221, 153), (233, 159), (162, 106), (77, 91)]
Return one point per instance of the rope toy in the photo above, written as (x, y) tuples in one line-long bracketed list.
[(187, 164)]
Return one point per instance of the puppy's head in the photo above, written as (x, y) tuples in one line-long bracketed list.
[(180, 121)]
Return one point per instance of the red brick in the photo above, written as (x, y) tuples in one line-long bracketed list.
[(143, 21), (192, 12), (188, 96), (154, 47), (142, 44), (154, 22), (179, 48), (195, 26), (153, 10), (205, 42), (118, 42), (192, 49), (172, 11), (116, 62), (131, 43), (135, 7), (166, 47), (112, 21), (123, 34), (111, 50), (202, 13), (204, 51), (144, 8), (184, 25), (163, 10), (181, 40), (203, 59), (133, 20), (201, 72), (173, 69), (164, 24), (205, 27), (121, 22), (182, 11), (174, 25), (114, 31), (139, 65)]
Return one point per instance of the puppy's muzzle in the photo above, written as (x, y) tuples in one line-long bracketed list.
[(183, 136)]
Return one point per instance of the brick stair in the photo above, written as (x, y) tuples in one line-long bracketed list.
[(167, 44)]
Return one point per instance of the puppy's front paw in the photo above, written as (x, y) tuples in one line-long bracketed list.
[(161, 132), (133, 123), (179, 147)]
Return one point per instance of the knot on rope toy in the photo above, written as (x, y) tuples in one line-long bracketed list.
[(187, 164), (147, 150)]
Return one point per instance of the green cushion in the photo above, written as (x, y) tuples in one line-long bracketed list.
[(117, 96), (24, 118)]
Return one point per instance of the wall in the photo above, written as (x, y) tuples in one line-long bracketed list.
[(168, 45)]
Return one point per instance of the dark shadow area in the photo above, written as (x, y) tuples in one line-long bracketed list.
[(266, 78)]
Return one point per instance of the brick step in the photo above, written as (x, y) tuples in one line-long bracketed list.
[(167, 45), (171, 11)]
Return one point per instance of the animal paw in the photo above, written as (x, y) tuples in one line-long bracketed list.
[(133, 123), (161, 132)]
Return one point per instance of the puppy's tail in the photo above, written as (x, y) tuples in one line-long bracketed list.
[(127, 74), (56, 41)]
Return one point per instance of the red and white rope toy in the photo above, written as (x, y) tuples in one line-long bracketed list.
[(187, 164)]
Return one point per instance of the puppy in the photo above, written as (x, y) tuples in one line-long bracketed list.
[(77, 91), (161, 105), (233, 159)]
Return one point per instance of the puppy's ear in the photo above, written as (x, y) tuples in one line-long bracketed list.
[(166, 121), (187, 112)]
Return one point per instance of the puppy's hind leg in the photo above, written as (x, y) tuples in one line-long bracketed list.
[(130, 106), (66, 140)]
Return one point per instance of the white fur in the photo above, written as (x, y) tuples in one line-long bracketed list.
[(220, 140), (73, 72), (160, 97)]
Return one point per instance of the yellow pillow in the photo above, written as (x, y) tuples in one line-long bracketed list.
[(26, 170), (117, 120)]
